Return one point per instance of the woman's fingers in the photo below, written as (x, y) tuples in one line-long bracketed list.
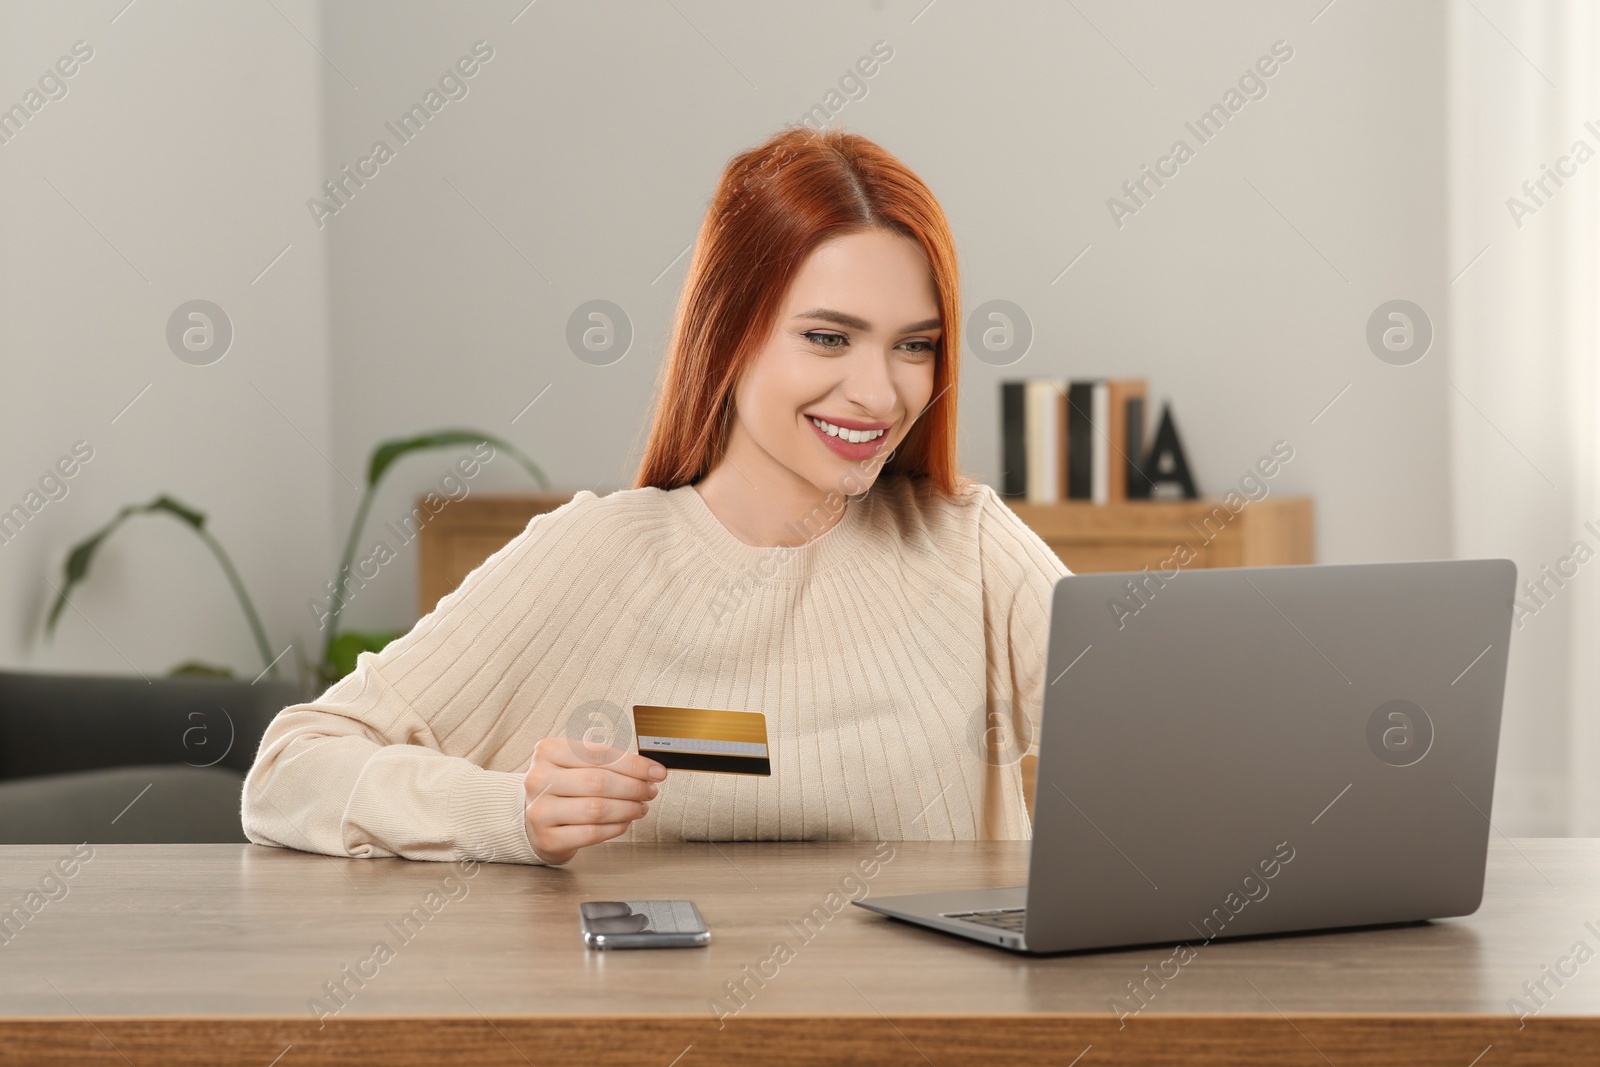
[(560, 768), (552, 810), (560, 843), (582, 793), (578, 754), (597, 782)]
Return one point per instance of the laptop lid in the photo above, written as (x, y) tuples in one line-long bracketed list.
[(1256, 750)]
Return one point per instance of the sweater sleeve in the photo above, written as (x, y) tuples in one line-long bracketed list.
[(339, 776), (361, 771), (1019, 576)]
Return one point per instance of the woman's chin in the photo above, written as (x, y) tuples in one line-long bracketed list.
[(849, 479)]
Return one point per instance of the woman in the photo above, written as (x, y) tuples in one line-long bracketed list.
[(798, 544)]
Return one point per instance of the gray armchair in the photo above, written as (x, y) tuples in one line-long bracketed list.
[(113, 759)]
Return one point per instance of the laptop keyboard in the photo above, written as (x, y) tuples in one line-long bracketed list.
[(1010, 919)]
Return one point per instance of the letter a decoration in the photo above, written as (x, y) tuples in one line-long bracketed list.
[(1164, 465)]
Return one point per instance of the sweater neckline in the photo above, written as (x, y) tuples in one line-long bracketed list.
[(841, 545)]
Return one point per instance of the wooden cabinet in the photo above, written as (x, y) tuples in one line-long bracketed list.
[(1097, 538), (468, 531), (1089, 538)]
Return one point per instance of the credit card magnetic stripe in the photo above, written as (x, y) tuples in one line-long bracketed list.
[(700, 744), (700, 739)]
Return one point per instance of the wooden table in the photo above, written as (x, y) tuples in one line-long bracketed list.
[(211, 954)]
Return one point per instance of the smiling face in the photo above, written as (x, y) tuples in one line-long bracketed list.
[(847, 368)]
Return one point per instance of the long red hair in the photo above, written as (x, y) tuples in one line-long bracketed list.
[(774, 204)]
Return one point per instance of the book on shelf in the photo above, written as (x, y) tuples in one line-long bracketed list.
[(1044, 428), (1079, 439), (1125, 427), (1013, 441)]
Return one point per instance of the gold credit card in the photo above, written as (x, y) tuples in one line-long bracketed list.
[(695, 739)]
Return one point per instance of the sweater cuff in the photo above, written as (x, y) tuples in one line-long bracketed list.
[(488, 819)]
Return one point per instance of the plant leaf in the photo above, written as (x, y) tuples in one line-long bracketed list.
[(194, 518), (82, 554), (195, 669), (347, 648), (386, 453)]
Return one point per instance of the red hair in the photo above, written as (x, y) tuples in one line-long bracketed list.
[(774, 204)]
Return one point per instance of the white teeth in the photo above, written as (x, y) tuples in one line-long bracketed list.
[(853, 436)]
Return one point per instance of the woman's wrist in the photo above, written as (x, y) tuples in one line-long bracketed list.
[(542, 859)]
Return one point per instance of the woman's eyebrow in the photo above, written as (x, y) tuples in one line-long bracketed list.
[(839, 318)]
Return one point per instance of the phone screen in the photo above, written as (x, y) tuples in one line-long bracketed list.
[(642, 924)]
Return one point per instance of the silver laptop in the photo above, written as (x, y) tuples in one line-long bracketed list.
[(1225, 753)]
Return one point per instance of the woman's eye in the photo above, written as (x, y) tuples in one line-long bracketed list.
[(823, 340), (836, 341)]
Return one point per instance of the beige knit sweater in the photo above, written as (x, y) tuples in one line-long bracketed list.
[(880, 652)]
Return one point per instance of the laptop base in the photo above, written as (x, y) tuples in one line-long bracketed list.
[(933, 910)]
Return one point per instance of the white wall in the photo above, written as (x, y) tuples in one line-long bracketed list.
[(578, 167), (170, 171), (591, 142)]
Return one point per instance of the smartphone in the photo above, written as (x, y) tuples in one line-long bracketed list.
[(642, 924)]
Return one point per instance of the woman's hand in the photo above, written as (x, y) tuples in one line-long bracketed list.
[(581, 793)]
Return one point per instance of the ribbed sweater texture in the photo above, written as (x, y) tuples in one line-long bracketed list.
[(896, 657)]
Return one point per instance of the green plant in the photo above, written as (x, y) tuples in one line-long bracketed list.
[(78, 560), (339, 650)]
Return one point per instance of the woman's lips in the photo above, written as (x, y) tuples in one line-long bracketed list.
[(864, 450)]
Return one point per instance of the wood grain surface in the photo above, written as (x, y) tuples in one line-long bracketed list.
[(217, 954)]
